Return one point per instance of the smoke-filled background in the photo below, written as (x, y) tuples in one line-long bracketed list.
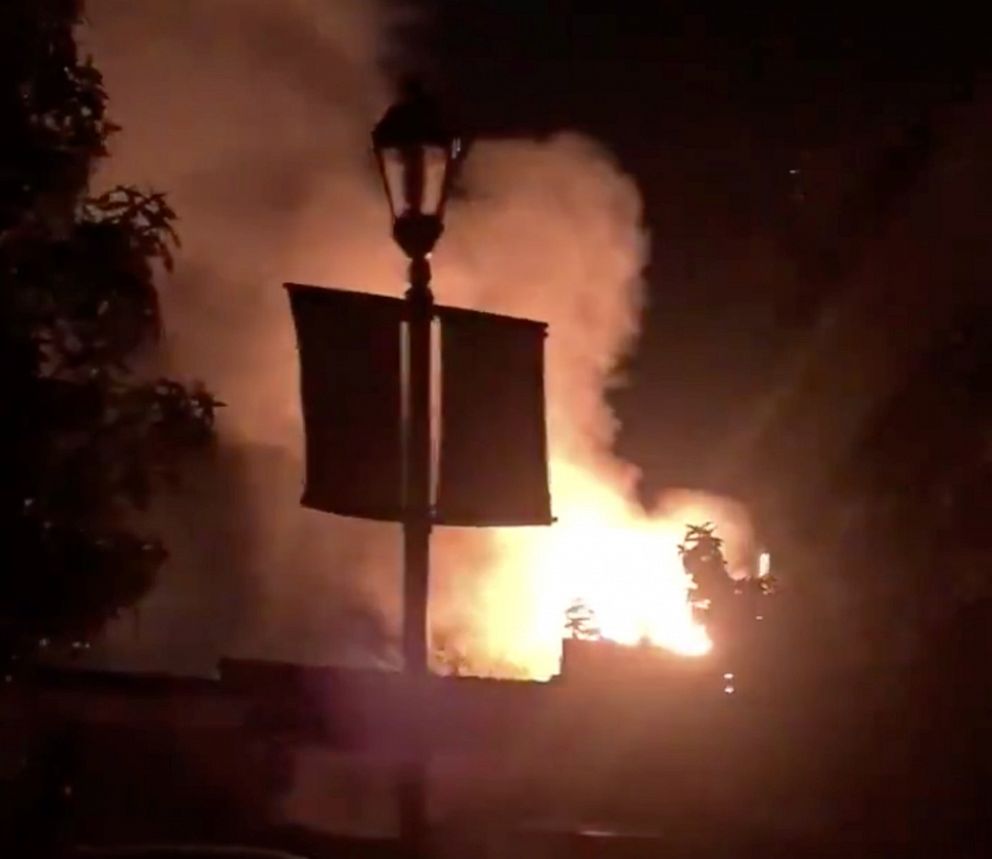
[(254, 115)]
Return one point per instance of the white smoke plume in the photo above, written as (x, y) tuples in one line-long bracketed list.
[(253, 115)]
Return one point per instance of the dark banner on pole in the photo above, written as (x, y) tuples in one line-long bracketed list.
[(349, 345), (493, 468)]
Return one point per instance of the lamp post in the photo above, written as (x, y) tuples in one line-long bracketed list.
[(416, 156)]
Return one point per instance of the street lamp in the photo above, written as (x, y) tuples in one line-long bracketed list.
[(416, 155)]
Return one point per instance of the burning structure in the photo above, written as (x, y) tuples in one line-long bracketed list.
[(726, 607)]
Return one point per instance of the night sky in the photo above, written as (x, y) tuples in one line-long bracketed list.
[(771, 148)]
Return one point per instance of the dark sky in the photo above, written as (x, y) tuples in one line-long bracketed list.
[(770, 147)]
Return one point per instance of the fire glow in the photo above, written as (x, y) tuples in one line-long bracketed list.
[(622, 563)]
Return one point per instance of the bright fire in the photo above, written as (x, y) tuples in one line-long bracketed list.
[(623, 564)]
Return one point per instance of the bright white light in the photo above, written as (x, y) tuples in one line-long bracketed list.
[(728, 676), (764, 564), (728, 689)]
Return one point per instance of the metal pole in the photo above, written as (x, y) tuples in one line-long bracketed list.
[(417, 522), (416, 553)]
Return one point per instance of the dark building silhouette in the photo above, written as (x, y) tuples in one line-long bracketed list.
[(665, 750)]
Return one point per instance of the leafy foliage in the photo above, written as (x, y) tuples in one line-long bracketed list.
[(703, 559), (84, 439)]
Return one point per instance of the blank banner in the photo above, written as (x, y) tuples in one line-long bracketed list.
[(349, 345), (493, 468)]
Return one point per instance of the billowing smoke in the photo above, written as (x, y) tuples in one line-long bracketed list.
[(254, 116)]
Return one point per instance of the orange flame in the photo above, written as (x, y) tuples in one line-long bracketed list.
[(622, 563)]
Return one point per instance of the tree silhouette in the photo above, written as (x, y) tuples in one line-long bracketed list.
[(83, 439), (580, 621), (703, 559)]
